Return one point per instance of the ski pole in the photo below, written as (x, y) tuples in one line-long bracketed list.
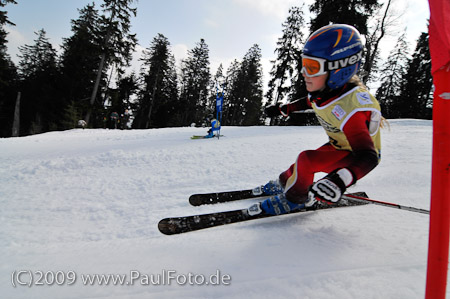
[(384, 203)]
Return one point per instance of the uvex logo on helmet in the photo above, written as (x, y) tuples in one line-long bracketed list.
[(344, 62)]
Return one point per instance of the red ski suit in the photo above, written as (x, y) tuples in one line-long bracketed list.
[(360, 159)]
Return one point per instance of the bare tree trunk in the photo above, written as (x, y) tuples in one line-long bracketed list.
[(16, 123), (372, 45), (155, 87), (94, 91), (99, 72)]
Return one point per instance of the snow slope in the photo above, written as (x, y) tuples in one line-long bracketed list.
[(88, 201)]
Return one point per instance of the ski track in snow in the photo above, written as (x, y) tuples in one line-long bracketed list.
[(90, 200)]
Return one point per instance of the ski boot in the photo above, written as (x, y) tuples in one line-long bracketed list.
[(271, 188), (278, 204)]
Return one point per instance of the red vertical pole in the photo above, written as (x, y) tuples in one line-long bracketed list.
[(438, 245)]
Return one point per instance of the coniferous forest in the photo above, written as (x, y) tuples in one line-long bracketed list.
[(87, 83)]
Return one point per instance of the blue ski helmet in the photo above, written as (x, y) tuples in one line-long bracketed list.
[(340, 48)]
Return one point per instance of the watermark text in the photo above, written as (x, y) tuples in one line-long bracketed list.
[(31, 278)]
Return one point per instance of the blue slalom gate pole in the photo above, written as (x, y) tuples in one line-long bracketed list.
[(219, 104)]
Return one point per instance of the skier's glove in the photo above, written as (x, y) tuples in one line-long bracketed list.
[(275, 110), (330, 188)]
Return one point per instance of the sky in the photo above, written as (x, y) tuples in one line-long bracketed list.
[(229, 27)]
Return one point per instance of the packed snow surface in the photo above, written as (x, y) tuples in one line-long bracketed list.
[(85, 202)]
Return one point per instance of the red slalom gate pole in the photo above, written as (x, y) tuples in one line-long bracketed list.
[(438, 244)]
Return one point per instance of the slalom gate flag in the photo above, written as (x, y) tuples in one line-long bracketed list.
[(219, 102)]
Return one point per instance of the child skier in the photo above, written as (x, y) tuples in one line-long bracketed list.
[(215, 126), (349, 114)]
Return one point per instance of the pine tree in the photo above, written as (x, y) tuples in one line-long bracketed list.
[(8, 76), (253, 90), (195, 80), (159, 96), (79, 61), (247, 93), (416, 99), (127, 87), (357, 14), (231, 106), (117, 45), (393, 73), (285, 73), (4, 20), (351, 12), (71, 116), (38, 71), (37, 58)]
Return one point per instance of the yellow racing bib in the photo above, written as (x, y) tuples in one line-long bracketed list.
[(334, 115)]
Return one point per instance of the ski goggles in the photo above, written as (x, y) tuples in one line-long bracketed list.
[(313, 66)]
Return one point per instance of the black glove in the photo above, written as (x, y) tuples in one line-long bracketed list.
[(330, 188), (275, 110)]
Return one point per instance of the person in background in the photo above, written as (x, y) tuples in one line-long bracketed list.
[(124, 118), (114, 120)]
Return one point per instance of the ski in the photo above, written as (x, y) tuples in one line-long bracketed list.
[(184, 224), (204, 137), (220, 197)]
